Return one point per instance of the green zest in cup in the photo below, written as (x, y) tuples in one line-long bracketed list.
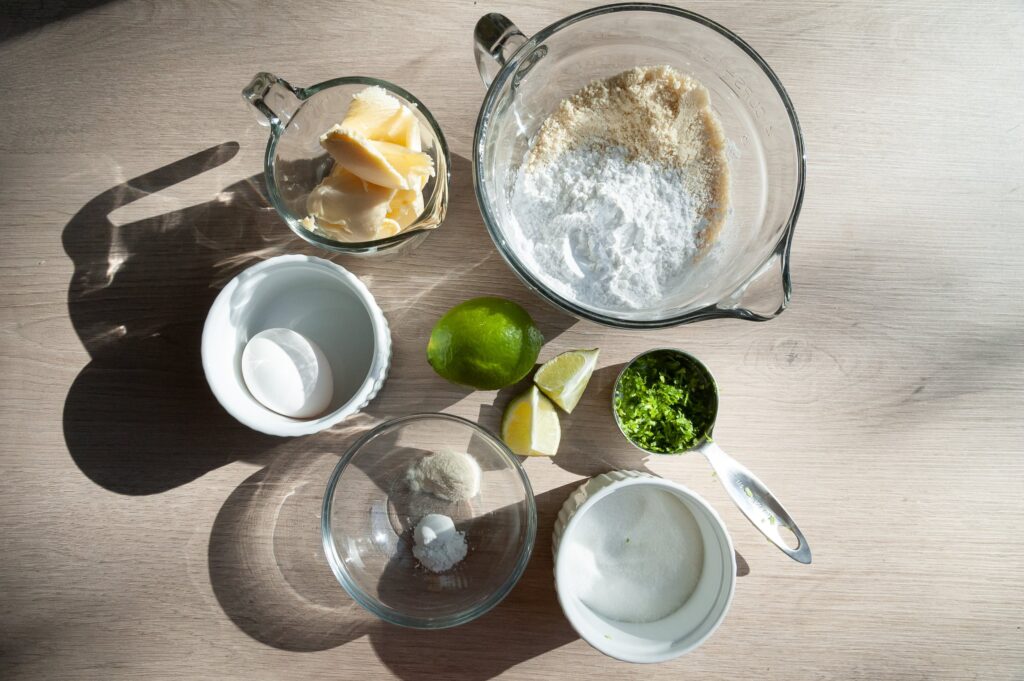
[(665, 404)]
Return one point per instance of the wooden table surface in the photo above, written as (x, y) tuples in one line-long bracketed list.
[(147, 535)]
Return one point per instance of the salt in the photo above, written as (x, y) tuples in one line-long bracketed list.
[(639, 555), (438, 545)]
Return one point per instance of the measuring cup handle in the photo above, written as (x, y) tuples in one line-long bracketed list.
[(756, 502), (495, 40), (274, 100)]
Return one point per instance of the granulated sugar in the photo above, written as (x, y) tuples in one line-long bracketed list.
[(624, 187), (639, 555)]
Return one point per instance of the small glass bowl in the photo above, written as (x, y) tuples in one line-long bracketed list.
[(369, 514), (295, 163)]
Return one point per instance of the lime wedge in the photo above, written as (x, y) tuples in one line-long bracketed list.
[(565, 377), (530, 425)]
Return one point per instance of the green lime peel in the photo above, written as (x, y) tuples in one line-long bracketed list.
[(664, 404)]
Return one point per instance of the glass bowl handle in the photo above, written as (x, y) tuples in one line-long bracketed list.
[(765, 294), (273, 99), (495, 40)]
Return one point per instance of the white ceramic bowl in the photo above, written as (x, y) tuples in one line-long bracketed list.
[(322, 301), (687, 627)]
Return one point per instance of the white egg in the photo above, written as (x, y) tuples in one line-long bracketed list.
[(288, 373)]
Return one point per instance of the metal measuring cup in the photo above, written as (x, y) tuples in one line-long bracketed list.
[(751, 495)]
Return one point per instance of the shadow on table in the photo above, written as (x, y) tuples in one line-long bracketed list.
[(139, 418), (266, 559), (21, 16)]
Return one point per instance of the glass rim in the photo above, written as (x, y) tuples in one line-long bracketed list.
[(391, 615), (781, 247), (277, 131)]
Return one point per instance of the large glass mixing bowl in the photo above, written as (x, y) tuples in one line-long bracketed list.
[(748, 275)]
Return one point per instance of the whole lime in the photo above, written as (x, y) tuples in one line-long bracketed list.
[(487, 343)]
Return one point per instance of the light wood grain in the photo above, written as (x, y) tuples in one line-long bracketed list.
[(145, 535)]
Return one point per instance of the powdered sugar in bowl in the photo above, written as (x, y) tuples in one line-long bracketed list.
[(626, 276)]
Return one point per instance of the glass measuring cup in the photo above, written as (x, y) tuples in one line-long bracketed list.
[(745, 489), (295, 162), (748, 277)]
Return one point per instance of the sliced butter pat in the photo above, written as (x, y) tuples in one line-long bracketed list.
[(414, 166), (388, 227), (337, 232), (361, 157), (377, 115), (403, 129), (370, 108), (340, 232), (349, 203), (405, 206)]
